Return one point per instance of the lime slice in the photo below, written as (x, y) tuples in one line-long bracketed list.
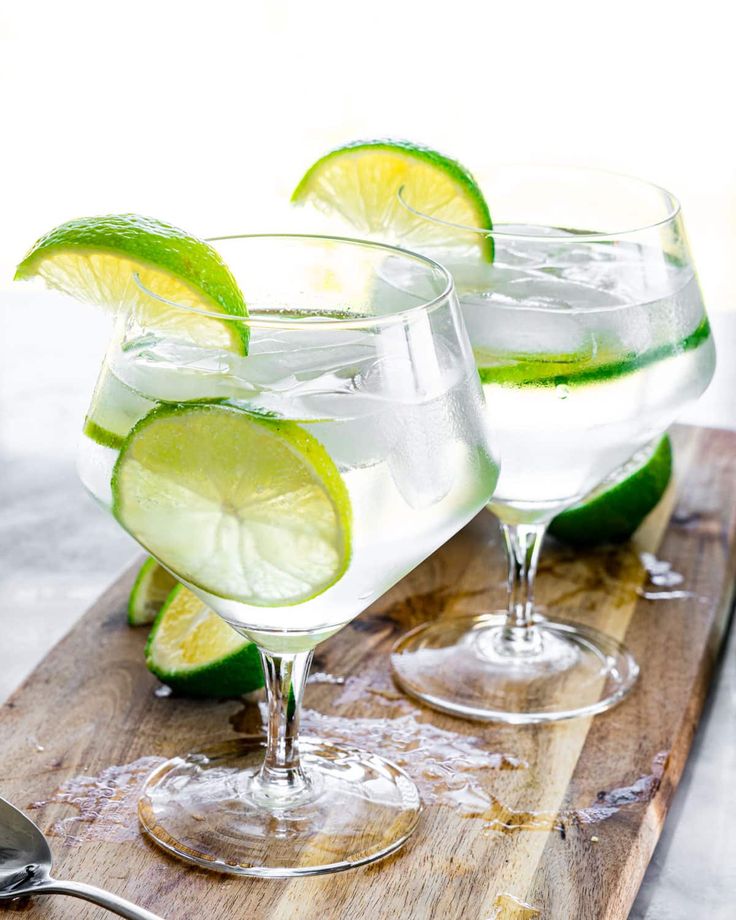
[(605, 361), (246, 508), (197, 653), (94, 259), (361, 182), (618, 506), (151, 588), (114, 409)]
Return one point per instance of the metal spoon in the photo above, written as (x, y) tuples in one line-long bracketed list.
[(25, 866)]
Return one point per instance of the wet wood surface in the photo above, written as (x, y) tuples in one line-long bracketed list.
[(553, 822)]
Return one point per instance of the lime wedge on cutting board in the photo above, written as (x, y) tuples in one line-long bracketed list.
[(149, 592), (196, 653), (618, 506)]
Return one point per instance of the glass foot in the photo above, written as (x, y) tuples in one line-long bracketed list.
[(202, 808), (461, 666)]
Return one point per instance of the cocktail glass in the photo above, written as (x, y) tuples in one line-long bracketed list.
[(590, 335), (289, 487)]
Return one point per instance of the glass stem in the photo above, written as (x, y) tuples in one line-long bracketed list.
[(523, 543), (281, 778)]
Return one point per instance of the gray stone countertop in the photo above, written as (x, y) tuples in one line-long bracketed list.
[(58, 551)]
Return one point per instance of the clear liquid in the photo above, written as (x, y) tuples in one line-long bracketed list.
[(408, 440), (586, 353)]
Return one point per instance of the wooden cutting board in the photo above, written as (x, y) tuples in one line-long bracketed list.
[(560, 818)]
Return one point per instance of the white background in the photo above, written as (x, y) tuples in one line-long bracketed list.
[(206, 113)]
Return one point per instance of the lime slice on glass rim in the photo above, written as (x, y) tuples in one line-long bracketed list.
[(152, 586), (361, 183), (619, 505), (96, 259), (196, 653), (243, 507)]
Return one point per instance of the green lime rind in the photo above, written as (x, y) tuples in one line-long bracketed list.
[(616, 510), (463, 179), (113, 411), (101, 435), (183, 467), (549, 370), (234, 672), (152, 244), (151, 588), (451, 167)]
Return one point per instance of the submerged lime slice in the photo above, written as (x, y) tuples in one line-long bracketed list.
[(361, 182), (151, 588), (197, 653), (94, 259), (114, 409), (618, 506), (606, 362), (246, 508)]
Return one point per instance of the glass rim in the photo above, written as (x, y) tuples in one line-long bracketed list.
[(674, 207), (358, 322)]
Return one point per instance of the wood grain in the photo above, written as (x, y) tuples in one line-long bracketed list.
[(556, 822)]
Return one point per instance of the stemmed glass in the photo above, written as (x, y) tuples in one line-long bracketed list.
[(289, 487), (590, 335)]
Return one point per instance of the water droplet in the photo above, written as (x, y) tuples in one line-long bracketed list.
[(321, 677), (661, 575), (162, 691), (562, 391)]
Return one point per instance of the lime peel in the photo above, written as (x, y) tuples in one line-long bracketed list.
[(620, 504), (197, 653), (362, 180), (151, 588), (101, 435), (95, 259), (551, 370), (114, 409)]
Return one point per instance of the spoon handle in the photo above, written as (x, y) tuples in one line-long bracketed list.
[(97, 896)]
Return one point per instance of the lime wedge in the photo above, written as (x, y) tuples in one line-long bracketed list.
[(244, 507), (618, 506), (94, 259), (114, 409), (150, 589), (197, 653), (361, 181)]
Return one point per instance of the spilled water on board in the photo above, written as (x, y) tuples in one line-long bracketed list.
[(106, 804), (664, 578), (451, 769), (378, 688), (322, 677), (499, 818), (509, 907), (444, 764)]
